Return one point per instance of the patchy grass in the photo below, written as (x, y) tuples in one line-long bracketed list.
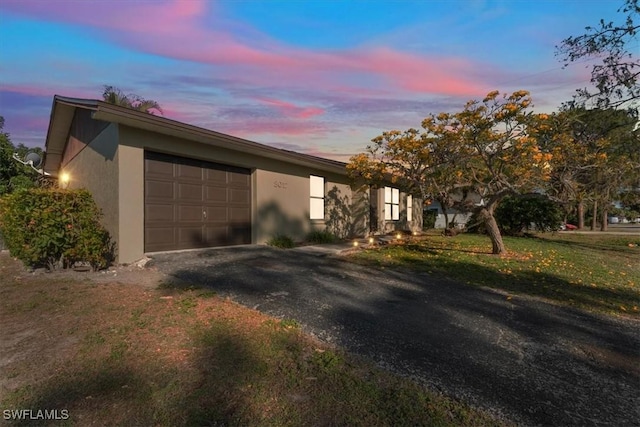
[(120, 354), (593, 272)]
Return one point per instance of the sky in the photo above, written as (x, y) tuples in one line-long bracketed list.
[(316, 77)]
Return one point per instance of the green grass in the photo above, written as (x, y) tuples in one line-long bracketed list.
[(171, 357), (594, 272)]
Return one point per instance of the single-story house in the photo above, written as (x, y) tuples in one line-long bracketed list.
[(164, 185)]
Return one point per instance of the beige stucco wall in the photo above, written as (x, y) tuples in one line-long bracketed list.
[(280, 192), (385, 226), (95, 168), (131, 201)]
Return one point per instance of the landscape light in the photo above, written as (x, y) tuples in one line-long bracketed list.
[(64, 180), (355, 243)]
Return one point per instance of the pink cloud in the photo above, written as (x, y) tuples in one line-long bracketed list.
[(292, 111), (177, 29)]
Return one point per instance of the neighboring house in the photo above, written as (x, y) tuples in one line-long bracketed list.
[(458, 217), (165, 185)]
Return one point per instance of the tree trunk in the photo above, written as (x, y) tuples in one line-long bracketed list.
[(604, 224), (580, 215), (446, 217), (594, 217), (493, 231)]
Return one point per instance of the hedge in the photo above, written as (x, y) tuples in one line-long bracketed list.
[(55, 228)]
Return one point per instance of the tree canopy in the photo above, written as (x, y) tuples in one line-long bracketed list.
[(485, 147), (14, 175), (113, 95), (614, 45)]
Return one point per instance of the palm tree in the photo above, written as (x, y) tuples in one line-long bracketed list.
[(113, 95)]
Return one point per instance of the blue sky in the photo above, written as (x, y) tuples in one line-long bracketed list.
[(318, 77)]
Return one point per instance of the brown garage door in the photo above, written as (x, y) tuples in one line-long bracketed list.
[(193, 204)]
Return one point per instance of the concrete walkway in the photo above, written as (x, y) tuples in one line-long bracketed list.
[(529, 361)]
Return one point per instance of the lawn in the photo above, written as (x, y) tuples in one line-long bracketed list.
[(110, 352), (590, 271)]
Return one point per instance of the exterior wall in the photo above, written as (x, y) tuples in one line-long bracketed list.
[(280, 205), (131, 202), (387, 226), (460, 219), (280, 192), (95, 168)]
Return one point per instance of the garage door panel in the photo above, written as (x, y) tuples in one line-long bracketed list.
[(217, 214), (162, 213), (216, 235), (191, 203), (189, 192), (239, 179), (216, 194), (162, 238), (189, 214), (159, 189), (189, 237), (242, 196), (216, 176), (239, 215), (153, 167), (189, 172)]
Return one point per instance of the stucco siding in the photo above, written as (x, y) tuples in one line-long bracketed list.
[(95, 168), (131, 200), (280, 192), (281, 205)]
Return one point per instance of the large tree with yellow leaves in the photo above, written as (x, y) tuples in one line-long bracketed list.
[(486, 147)]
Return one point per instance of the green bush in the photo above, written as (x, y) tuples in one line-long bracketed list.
[(54, 228), (321, 236), (281, 241), (516, 215)]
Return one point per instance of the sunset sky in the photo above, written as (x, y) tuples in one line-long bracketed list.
[(318, 77)]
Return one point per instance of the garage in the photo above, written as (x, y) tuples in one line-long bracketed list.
[(191, 203)]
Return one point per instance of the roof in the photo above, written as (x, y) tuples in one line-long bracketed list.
[(64, 108)]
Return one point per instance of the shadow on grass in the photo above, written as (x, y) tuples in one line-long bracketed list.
[(605, 242), (530, 282), (217, 391)]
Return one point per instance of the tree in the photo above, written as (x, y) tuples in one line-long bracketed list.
[(14, 175), (484, 148), (595, 156), (115, 96), (616, 76), (500, 157)]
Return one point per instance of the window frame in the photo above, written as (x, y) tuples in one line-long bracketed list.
[(315, 196), (391, 204)]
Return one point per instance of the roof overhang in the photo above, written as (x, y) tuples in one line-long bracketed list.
[(63, 111)]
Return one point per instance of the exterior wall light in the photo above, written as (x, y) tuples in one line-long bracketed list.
[(63, 182)]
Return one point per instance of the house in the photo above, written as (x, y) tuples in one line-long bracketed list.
[(164, 185)]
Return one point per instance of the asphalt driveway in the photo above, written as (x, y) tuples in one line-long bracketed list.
[(529, 361)]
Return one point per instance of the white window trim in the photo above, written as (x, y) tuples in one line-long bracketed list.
[(316, 197), (391, 204)]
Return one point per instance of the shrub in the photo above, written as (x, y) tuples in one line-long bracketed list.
[(321, 236), (429, 218), (281, 241), (54, 227), (518, 214)]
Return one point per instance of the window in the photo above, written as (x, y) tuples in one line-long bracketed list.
[(391, 204), (316, 201), (409, 208)]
